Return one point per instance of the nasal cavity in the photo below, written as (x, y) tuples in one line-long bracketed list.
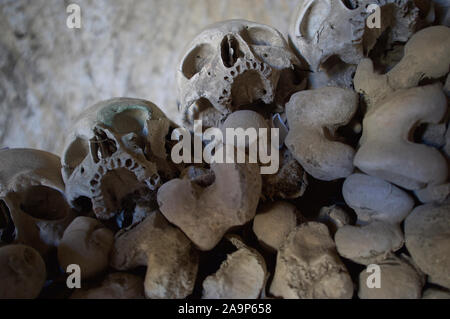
[(230, 50)]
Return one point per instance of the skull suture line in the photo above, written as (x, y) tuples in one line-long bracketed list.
[(229, 66), (116, 150)]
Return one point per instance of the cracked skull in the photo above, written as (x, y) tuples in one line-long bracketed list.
[(116, 151), (231, 65)]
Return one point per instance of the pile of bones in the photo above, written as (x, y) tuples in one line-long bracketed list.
[(362, 183)]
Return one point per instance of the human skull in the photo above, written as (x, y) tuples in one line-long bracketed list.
[(33, 209), (324, 29), (230, 65), (116, 151)]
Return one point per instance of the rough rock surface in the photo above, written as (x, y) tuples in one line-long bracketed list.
[(171, 260), (427, 236), (308, 266), (274, 223), (115, 286), (241, 276), (399, 280), (334, 217), (375, 199), (22, 272), (205, 214), (314, 117), (370, 243), (86, 243)]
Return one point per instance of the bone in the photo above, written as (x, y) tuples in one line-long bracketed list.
[(32, 201), (114, 286), (427, 240), (313, 118), (308, 266), (205, 213), (434, 135), (21, 168), (339, 75), (427, 56), (434, 293), (290, 182), (169, 256), (86, 243), (375, 199), (434, 194), (388, 153), (22, 272), (245, 120), (442, 9), (241, 276), (334, 217), (229, 65), (447, 143), (370, 243), (274, 223), (116, 148), (447, 86), (312, 16), (380, 208), (399, 280), (333, 38), (139, 211)]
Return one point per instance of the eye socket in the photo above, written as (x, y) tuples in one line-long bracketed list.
[(196, 59), (264, 35), (75, 154), (43, 202), (350, 4)]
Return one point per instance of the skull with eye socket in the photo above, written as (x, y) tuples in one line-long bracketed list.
[(115, 155), (234, 65), (333, 36), (33, 208)]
